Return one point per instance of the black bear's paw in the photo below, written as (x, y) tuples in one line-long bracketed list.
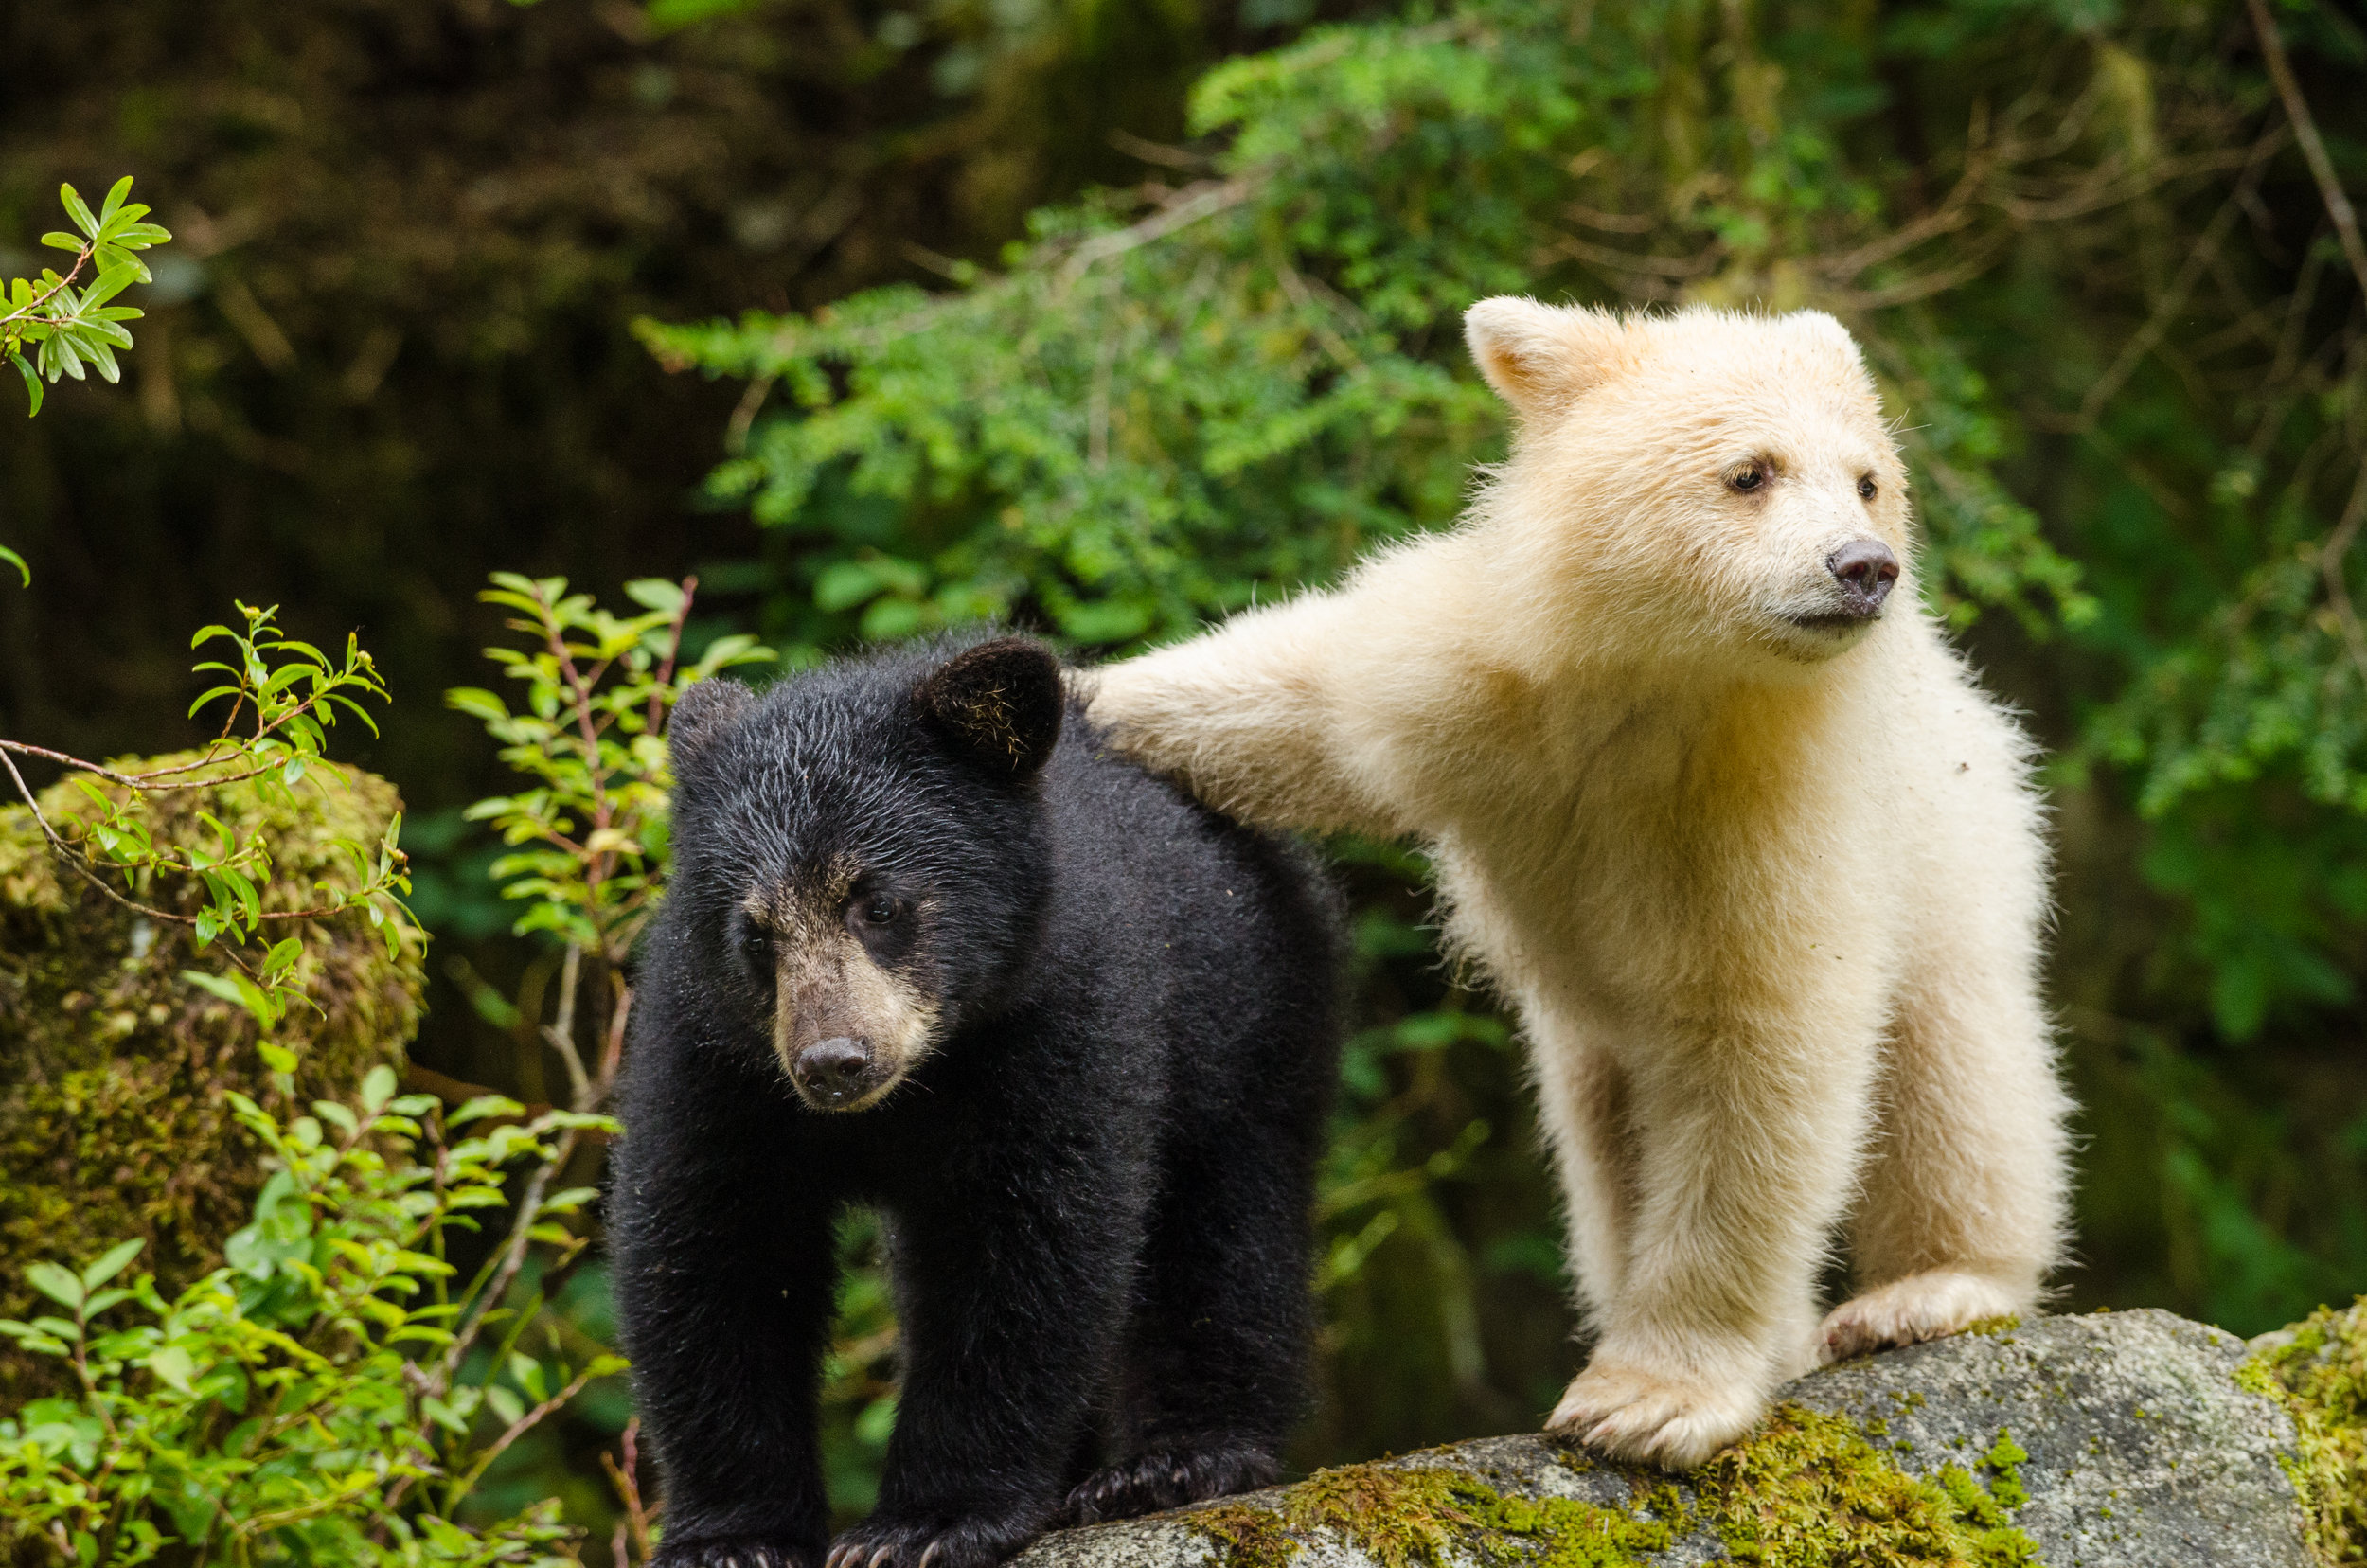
[(732, 1552), (965, 1540), (1169, 1478)]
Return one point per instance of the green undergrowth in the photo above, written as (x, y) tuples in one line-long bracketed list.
[(2317, 1371), (1807, 1491)]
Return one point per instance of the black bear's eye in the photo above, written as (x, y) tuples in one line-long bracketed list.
[(1867, 487), (1747, 476), (878, 909), (756, 944)]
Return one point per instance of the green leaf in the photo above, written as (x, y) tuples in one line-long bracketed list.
[(173, 1368), (527, 1374), (484, 1105), (111, 1263), (378, 1087), (505, 1405), (218, 985), (76, 209), (61, 1285), (32, 387), (655, 594), (844, 584), (63, 241), (23, 572)]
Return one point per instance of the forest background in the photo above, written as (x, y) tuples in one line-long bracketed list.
[(1104, 317)]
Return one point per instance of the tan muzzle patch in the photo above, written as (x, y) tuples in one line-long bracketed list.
[(846, 1029)]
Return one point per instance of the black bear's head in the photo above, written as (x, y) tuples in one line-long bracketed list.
[(859, 854)]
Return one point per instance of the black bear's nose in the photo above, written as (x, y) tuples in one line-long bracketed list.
[(1865, 568), (834, 1070)]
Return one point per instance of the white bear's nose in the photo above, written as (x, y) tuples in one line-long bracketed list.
[(1865, 568)]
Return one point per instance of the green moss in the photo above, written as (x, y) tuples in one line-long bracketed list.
[(1420, 1518), (1993, 1327), (2004, 1462), (113, 1067), (2317, 1371), (1807, 1491)]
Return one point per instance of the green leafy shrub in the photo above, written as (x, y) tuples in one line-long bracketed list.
[(287, 1406), (337, 1385)]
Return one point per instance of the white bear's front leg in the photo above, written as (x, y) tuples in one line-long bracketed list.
[(1253, 718), (1746, 1140)]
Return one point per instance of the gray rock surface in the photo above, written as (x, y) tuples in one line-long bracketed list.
[(2142, 1452)]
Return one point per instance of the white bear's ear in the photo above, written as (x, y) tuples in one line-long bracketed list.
[(1540, 357), (1818, 324)]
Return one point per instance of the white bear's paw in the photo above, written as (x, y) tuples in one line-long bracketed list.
[(1910, 1310), (1670, 1419)]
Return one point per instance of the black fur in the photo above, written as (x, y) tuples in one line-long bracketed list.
[(1097, 1187)]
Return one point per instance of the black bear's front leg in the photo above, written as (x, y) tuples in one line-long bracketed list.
[(1011, 1305), (726, 1284)]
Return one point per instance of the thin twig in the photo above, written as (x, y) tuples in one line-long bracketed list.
[(1191, 205), (513, 1258), (459, 1488), (66, 853), (673, 650), (744, 413), (2313, 150), (2330, 559), (560, 1034)]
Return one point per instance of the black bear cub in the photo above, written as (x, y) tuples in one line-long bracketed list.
[(928, 947)]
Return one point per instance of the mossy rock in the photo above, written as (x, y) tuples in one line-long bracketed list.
[(113, 1067), (2121, 1441), (2318, 1370)]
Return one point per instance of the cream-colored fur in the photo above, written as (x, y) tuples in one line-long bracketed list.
[(1767, 895)]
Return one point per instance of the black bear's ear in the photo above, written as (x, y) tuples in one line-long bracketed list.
[(701, 716), (999, 704)]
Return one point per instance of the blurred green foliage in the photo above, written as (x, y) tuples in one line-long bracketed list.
[(1041, 335)]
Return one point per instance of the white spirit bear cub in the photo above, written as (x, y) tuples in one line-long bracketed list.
[(1713, 801)]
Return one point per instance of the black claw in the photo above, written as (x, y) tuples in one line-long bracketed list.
[(1153, 1482)]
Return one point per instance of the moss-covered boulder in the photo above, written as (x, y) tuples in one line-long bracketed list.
[(2121, 1441), (113, 1066), (2317, 1371)]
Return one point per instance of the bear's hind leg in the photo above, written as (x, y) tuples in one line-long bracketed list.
[(1962, 1208), (1582, 1098)]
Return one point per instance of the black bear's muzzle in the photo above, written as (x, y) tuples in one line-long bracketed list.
[(835, 1075)]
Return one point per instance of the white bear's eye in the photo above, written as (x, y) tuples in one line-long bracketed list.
[(1747, 476), (1867, 487)]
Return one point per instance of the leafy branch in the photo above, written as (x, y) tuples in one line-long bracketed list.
[(288, 693), (66, 328), (69, 327)]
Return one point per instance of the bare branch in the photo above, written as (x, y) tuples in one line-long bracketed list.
[(2313, 148)]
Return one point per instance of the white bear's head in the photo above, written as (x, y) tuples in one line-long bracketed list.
[(1718, 483)]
